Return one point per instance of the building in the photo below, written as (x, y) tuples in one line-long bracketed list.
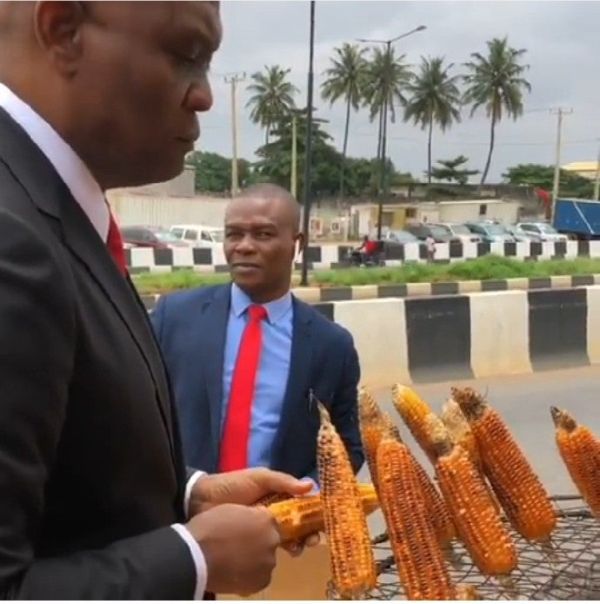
[(587, 169)]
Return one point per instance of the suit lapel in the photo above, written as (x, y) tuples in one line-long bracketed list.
[(296, 392), (37, 175), (215, 316)]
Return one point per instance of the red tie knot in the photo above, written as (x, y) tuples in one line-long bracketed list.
[(257, 313)]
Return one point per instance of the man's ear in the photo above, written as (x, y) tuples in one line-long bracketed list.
[(57, 28), (300, 244)]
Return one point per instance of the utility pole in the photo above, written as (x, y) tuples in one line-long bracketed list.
[(308, 147), (597, 181), (555, 188), (294, 166), (233, 79)]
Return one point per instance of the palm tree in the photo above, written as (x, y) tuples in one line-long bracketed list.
[(345, 79), (435, 98), (272, 99), (496, 81), (385, 83)]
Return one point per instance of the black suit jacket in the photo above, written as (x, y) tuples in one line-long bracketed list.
[(91, 473), (191, 327)]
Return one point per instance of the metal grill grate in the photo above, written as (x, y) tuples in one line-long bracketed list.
[(566, 569)]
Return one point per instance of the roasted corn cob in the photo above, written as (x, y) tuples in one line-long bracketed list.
[(299, 517), (580, 450), (519, 490), (476, 518), (434, 504), (371, 429), (417, 553), (414, 412), (461, 434), (350, 553)]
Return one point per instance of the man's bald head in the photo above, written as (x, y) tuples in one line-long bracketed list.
[(274, 196), (262, 238)]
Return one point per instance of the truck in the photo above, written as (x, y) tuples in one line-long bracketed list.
[(577, 217)]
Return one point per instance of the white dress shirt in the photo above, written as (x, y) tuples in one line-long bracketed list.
[(88, 194)]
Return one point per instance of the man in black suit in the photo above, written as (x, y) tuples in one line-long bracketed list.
[(95, 500), (202, 331)]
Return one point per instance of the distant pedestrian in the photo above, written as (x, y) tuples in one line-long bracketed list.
[(430, 243)]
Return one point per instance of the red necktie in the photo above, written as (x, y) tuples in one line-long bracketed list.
[(114, 243), (234, 444)]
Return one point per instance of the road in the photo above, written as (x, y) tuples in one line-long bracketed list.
[(523, 402)]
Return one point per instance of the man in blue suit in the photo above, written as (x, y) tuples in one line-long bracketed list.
[(244, 357)]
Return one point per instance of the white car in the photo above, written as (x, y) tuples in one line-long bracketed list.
[(540, 231), (459, 231), (198, 235)]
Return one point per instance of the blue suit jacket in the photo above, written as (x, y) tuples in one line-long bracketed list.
[(191, 327)]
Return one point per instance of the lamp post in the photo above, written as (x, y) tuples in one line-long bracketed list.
[(308, 147), (382, 145)]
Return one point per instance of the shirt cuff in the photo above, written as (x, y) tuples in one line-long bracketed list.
[(198, 557), (188, 491)]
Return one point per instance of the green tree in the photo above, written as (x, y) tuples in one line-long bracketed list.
[(275, 158), (387, 79), (435, 99), (453, 170), (213, 171), (345, 80), (272, 97), (495, 82), (540, 176)]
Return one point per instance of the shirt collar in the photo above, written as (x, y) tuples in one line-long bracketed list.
[(276, 309), (66, 162)]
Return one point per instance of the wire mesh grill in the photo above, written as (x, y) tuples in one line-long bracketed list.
[(566, 569)]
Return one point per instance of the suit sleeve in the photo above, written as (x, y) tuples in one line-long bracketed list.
[(38, 332), (344, 408)]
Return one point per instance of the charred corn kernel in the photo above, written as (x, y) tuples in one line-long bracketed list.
[(299, 517), (418, 555), (414, 411), (519, 490), (371, 429), (392, 430), (459, 429), (350, 553), (434, 504), (467, 592), (580, 450), (476, 519)]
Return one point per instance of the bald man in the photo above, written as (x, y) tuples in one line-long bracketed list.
[(96, 502), (244, 357)]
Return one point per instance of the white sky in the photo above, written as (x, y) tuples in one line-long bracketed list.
[(562, 39)]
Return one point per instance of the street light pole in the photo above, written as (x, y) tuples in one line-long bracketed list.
[(384, 112), (308, 149)]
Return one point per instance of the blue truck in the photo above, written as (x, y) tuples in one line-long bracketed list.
[(577, 217)]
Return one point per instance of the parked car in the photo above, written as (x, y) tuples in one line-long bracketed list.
[(491, 232), (423, 230), (198, 235), (542, 231), (148, 236), (460, 231), (520, 235), (399, 236)]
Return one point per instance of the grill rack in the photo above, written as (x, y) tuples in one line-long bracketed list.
[(566, 569)]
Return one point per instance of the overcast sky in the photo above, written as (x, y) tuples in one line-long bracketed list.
[(563, 49)]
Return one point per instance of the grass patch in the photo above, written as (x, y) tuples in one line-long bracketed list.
[(486, 267)]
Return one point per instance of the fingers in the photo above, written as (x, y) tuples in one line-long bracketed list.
[(295, 548), (278, 482)]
